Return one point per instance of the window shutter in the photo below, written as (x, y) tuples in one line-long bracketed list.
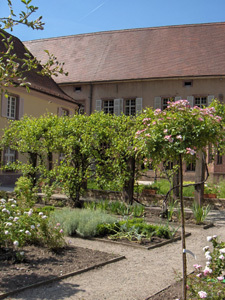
[(4, 105), (118, 106), (138, 105), (98, 105), (71, 112), (210, 99), (158, 102), (21, 108), (177, 98), (190, 99), (60, 111)]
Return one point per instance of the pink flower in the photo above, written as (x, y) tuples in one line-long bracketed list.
[(197, 267), (61, 230), (200, 119), (220, 278), (168, 138), (202, 294), (199, 275), (179, 137), (148, 135), (157, 111), (190, 151), (221, 257)]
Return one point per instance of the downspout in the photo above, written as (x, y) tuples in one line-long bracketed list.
[(91, 97)]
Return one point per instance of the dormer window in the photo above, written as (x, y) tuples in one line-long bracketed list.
[(77, 89)]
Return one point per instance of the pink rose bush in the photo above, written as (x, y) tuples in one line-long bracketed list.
[(209, 281), (179, 130)]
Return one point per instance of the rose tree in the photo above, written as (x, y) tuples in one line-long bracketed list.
[(177, 134)]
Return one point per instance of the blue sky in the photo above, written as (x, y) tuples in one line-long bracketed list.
[(69, 17)]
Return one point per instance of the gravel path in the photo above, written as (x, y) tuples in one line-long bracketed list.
[(140, 275)]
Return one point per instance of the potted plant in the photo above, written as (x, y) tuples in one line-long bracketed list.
[(150, 189), (210, 190)]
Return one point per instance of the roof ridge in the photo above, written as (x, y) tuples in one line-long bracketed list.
[(126, 30)]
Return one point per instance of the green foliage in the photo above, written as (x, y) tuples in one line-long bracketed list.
[(117, 207), (134, 229), (172, 205), (209, 279), (82, 222), (25, 192), (19, 227), (200, 212)]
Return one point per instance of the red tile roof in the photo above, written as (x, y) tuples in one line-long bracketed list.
[(160, 52), (43, 84)]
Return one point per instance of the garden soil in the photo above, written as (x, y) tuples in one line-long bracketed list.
[(138, 277)]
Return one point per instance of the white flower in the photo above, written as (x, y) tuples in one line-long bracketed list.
[(21, 230), (209, 238), (44, 217), (16, 219), (41, 213), (30, 212), (13, 205), (206, 248), (27, 232), (208, 257), (215, 236), (16, 243), (11, 200), (4, 210), (6, 232), (32, 227), (22, 253), (207, 253), (3, 200), (10, 218), (8, 224), (38, 225), (222, 250), (221, 257), (208, 263)]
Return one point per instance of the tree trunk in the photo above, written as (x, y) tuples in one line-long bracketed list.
[(128, 188), (183, 232), (199, 177), (176, 182)]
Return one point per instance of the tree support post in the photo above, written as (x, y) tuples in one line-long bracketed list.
[(184, 290)]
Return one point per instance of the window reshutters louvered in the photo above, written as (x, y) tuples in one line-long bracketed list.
[(98, 105), (158, 102), (190, 99), (118, 107), (210, 99), (177, 98), (4, 105), (21, 107), (138, 105)]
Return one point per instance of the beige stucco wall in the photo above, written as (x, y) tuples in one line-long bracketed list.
[(146, 89)]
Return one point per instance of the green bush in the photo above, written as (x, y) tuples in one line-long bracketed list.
[(83, 222), (200, 212)]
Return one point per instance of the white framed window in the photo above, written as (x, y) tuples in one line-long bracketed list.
[(131, 106), (12, 107), (162, 102), (9, 156), (108, 106), (201, 101)]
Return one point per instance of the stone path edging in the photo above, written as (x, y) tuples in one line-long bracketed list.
[(56, 278)]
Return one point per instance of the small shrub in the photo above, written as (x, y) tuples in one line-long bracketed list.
[(19, 227), (25, 192), (200, 213)]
